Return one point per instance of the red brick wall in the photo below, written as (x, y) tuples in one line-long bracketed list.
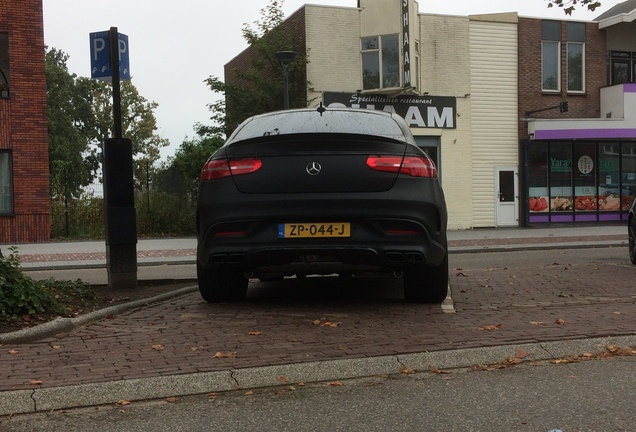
[(23, 123), (530, 95)]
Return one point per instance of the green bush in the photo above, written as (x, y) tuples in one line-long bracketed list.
[(20, 294)]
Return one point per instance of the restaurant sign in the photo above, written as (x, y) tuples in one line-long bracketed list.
[(418, 111)]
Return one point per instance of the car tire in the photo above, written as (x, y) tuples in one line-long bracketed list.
[(221, 285), (632, 239), (426, 284)]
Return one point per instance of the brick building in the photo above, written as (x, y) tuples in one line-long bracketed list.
[(482, 94), (24, 167)]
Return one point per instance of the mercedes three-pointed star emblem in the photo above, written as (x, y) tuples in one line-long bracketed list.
[(313, 168)]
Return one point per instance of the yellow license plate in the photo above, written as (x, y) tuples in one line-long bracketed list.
[(314, 230)]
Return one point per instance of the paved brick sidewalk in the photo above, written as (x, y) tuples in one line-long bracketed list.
[(289, 325)]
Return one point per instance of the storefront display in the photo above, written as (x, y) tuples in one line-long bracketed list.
[(570, 181)]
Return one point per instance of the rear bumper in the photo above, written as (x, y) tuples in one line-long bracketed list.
[(249, 228)]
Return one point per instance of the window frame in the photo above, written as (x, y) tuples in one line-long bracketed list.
[(582, 71), (6, 188), (557, 60), (376, 54)]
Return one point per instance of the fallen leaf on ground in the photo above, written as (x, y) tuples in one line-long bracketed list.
[(56, 347), (212, 396), (35, 382), (560, 322), (300, 383), (197, 348), (315, 322), (283, 379), (294, 340), (406, 370), (13, 351), (536, 322), (171, 399), (616, 313), (229, 354), (440, 371), (123, 403), (491, 327), (248, 393), (255, 333), (157, 347), (335, 384), (521, 353)]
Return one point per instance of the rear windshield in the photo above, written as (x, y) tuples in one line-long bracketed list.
[(310, 121)]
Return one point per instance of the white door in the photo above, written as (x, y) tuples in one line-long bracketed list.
[(506, 196)]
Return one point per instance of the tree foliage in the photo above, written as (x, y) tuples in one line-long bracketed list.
[(570, 6), (190, 158), (72, 164), (259, 87), (80, 114)]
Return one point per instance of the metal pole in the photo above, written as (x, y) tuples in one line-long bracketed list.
[(286, 80), (113, 40)]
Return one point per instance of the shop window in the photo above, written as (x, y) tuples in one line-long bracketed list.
[(6, 184), (561, 177), (584, 173), (380, 62), (576, 57), (628, 174), (550, 55), (4, 65), (538, 193)]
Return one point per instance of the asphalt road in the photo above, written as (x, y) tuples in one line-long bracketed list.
[(593, 395)]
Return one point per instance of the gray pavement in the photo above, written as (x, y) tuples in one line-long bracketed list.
[(177, 345)]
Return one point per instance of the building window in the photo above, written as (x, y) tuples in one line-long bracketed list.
[(380, 62), (622, 65), (550, 55), (4, 65), (6, 184), (576, 57)]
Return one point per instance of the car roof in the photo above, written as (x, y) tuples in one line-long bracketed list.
[(324, 121)]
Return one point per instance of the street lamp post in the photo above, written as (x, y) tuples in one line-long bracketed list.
[(284, 58)]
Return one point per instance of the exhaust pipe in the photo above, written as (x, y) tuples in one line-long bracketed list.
[(398, 274)]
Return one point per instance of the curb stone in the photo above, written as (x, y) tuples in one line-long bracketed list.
[(60, 325), (84, 395)]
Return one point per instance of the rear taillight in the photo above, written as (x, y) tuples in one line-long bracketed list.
[(219, 168), (415, 166)]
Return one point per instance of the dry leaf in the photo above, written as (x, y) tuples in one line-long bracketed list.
[(294, 340), (560, 322), (521, 353), (249, 393), (13, 351), (616, 313), (171, 399), (255, 333), (335, 384), (56, 347), (406, 370), (315, 322), (491, 327), (334, 324), (440, 371), (228, 354), (123, 403), (157, 347), (35, 382), (197, 348), (212, 395), (300, 383), (536, 322), (283, 379)]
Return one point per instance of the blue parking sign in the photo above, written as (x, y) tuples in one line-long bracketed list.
[(100, 56)]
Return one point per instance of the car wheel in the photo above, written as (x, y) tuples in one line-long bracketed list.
[(632, 239), (221, 285), (426, 284)]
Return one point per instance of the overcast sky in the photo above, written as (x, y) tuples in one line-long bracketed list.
[(176, 45)]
